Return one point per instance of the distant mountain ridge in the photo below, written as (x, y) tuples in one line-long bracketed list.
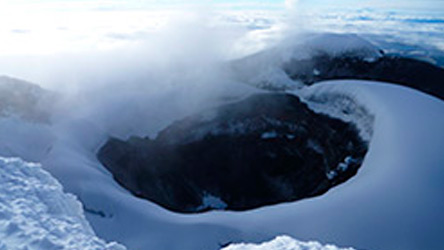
[(321, 57), (25, 100)]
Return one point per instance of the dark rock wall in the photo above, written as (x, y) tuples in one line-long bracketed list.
[(264, 150), (408, 72)]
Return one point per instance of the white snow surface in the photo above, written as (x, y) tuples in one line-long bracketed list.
[(36, 214), (329, 44), (392, 203), (344, 106), (284, 243)]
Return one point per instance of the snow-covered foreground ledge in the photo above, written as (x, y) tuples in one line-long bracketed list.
[(35, 213), (284, 243)]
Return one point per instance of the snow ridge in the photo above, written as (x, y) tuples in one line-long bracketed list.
[(284, 243), (341, 105), (36, 214)]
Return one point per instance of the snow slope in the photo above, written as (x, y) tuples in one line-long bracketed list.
[(36, 214), (393, 202), (284, 243)]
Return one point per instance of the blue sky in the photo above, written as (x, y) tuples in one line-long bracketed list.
[(414, 6)]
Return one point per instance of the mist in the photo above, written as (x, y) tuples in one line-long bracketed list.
[(130, 72), (148, 79)]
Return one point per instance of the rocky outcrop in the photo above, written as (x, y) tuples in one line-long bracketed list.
[(409, 72), (317, 57), (266, 149)]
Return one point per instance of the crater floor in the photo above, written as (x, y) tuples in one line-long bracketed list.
[(266, 149)]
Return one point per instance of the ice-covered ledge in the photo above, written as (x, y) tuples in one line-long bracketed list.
[(35, 213), (284, 243)]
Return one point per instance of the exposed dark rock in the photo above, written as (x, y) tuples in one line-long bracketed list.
[(409, 72), (267, 149), (318, 57)]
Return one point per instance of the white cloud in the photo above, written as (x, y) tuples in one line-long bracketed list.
[(291, 4)]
